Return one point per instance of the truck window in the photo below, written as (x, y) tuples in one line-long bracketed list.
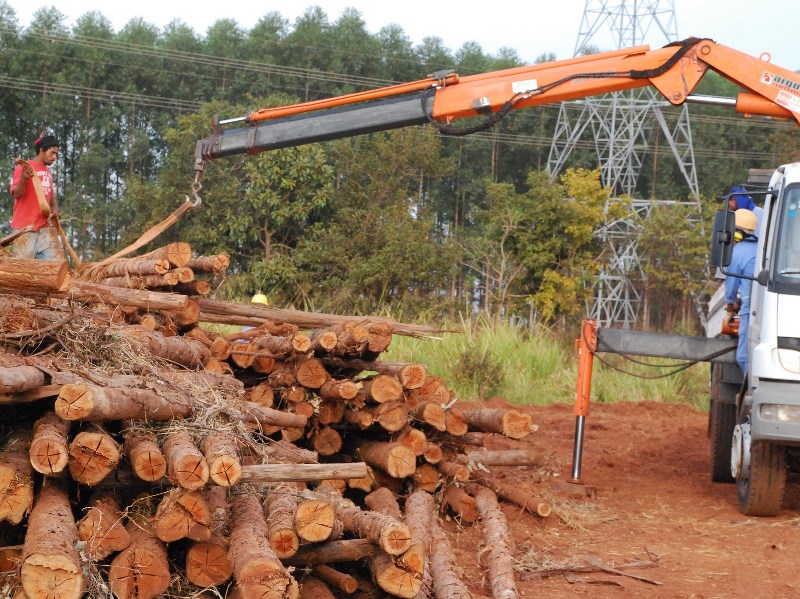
[(787, 254)]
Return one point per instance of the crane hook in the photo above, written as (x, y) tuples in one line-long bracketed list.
[(196, 187)]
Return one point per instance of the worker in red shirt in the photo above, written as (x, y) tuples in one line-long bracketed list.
[(42, 243)]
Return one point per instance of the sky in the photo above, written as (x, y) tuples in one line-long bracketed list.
[(530, 28)]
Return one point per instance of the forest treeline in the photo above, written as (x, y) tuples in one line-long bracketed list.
[(406, 221)]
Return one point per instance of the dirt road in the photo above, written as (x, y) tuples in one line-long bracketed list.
[(655, 507)]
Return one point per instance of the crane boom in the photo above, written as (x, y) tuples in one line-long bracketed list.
[(674, 70)]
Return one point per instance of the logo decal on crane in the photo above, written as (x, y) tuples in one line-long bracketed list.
[(789, 91)]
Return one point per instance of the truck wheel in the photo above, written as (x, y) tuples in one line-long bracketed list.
[(722, 420), (761, 486)]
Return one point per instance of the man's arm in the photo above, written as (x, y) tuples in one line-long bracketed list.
[(25, 171)]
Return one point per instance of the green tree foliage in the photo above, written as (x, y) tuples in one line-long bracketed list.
[(403, 220)]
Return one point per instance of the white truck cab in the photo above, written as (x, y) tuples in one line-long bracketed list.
[(764, 411)]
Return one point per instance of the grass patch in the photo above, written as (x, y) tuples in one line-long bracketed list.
[(489, 359)]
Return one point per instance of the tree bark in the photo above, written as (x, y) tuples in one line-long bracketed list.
[(222, 456), (458, 472), (51, 566), (49, 451), (383, 500), (186, 466), (334, 578), (343, 390), (143, 453), (461, 503), (350, 550), (207, 562), (314, 520), (178, 253), (34, 275), (446, 584), (123, 267), (182, 514), (141, 571), (281, 508), (20, 378), (411, 376), (86, 401), (269, 417), (507, 457), (383, 388), (314, 588), (386, 532), (497, 539), (150, 300), (257, 570), (510, 423), (215, 264), (527, 501), (426, 478), (419, 514), (101, 528), (189, 353), (16, 477), (395, 459), (93, 455), (301, 472)]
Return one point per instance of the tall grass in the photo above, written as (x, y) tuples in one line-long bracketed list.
[(488, 359)]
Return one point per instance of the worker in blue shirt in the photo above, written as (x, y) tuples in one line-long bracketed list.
[(737, 289)]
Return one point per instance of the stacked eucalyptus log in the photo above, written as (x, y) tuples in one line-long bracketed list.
[(147, 453)]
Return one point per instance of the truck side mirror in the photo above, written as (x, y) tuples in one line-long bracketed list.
[(722, 238)]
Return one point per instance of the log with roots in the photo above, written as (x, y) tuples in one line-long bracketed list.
[(141, 571), (86, 401), (207, 562), (281, 507), (49, 451), (16, 477), (51, 567), (497, 538), (102, 528), (182, 514), (144, 455), (511, 423), (186, 466), (257, 570), (222, 456), (93, 455)]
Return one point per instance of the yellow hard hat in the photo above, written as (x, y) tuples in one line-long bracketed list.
[(745, 220), (260, 298)]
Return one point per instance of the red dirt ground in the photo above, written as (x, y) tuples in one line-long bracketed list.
[(654, 503)]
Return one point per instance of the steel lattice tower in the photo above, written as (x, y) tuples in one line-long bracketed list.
[(621, 125)]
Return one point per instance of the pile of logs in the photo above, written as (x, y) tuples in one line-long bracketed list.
[(147, 453)]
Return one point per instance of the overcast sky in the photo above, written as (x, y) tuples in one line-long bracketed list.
[(531, 28)]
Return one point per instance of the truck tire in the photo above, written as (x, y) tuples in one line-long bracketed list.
[(761, 491), (722, 420)]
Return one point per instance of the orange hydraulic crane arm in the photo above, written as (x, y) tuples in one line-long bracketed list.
[(673, 70)]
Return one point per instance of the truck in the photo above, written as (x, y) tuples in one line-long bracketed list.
[(755, 416), (754, 419)]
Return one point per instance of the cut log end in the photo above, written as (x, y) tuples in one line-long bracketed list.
[(51, 577)]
